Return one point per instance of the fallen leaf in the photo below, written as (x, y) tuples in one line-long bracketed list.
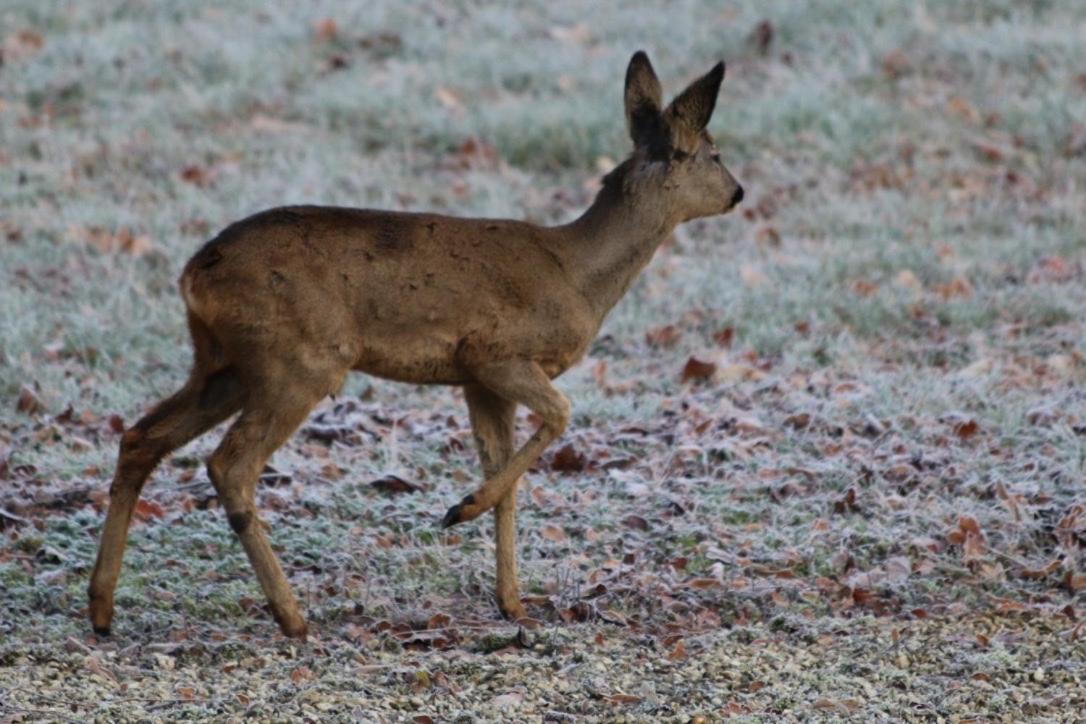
[(147, 509), (394, 485), (449, 99), (666, 336), (956, 288), (553, 533), (28, 403), (325, 29), (724, 336), (567, 460), (678, 653), (762, 36), (696, 369), (966, 429)]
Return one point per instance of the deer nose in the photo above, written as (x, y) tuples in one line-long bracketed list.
[(737, 196)]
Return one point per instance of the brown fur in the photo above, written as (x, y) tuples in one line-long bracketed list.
[(283, 304)]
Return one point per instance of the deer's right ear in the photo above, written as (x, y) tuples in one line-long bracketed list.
[(644, 97)]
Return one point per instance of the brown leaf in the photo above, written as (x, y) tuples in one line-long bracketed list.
[(1043, 572), (762, 36), (864, 288), (325, 30), (394, 485), (448, 98), (956, 288), (966, 429), (300, 674), (969, 524), (678, 653), (799, 421), (28, 403), (703, 583), (636, 522), (666, 336), (724, 336), (116, 424), (147, 509), (847, 504), (696, 369), (553, 533), (622, 699), (567, 460), (196, 175)]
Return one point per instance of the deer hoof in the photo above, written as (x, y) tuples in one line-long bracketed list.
[(452, 516), (462, 512), (101, 630)]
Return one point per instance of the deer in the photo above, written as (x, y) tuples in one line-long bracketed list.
[(283, 304)]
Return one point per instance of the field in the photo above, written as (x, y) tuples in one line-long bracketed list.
[(827, 458)]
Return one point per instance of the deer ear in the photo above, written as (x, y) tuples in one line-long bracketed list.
[(644, 99), (691, 110)]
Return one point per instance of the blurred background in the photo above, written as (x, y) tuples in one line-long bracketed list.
[(859, 392)]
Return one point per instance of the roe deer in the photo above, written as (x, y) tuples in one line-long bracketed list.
[(283, 304)]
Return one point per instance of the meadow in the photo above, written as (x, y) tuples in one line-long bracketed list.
[(827, 458)]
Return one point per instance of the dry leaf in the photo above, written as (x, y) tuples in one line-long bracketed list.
[(724, 336), (147, 509), (567, 460), (325, 29), (394, 484), (449, 99), (28, 403), (966, 429), (666, 336), (762, 36), (696, 369), (956, 288), (678, 653), (553, 533)]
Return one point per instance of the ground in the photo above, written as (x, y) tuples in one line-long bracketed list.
[(826, 459)]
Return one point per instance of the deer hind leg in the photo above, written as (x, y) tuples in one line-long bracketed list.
[(272, 413), (492, 422), (197, 407), (523, 382)]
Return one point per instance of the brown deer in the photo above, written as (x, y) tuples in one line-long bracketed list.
[(283, 304)]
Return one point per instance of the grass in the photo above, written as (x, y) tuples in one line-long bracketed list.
[(905, 278)]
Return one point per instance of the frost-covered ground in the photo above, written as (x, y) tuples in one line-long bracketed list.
[(868, 501)]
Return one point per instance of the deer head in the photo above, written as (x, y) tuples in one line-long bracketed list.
[(675, 164)]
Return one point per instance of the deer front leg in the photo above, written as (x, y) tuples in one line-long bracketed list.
[(492, 422), (523, 382)]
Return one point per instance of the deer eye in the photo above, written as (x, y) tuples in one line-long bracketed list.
[(678, 155)]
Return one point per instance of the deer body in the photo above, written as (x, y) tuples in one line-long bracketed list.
[(408, 297), (282, 305)]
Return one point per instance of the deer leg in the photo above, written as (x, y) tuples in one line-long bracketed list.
[(266, 422), (194, 409), (492, 422), (523, 382)]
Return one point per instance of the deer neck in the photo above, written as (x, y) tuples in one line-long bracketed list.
[(608, 246)]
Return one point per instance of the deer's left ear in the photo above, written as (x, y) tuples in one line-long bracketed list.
[(643, 99), (691, 110)]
